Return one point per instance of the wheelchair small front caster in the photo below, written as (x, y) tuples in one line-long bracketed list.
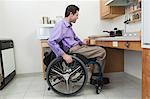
[(98, 89), (49, 88)]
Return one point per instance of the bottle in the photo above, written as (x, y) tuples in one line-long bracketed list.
[(139, 5)]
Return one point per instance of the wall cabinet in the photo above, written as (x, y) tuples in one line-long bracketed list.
[(108, 12)]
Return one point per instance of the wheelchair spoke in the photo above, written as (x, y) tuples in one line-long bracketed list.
[(74, 63), (67, 85), (77, 77), (64, 66), (58, 68), (74, 70), (57, 72), (59, 65), (57, 83)]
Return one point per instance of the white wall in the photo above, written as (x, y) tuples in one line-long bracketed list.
[(133, 63), (21, 19), (1, 20)]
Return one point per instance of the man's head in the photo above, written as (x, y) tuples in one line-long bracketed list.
[(72, 13)]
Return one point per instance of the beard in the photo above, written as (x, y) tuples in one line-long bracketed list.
[(74, 21)]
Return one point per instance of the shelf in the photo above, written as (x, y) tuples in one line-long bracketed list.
[(134, 11), (47, 25), (134, 21)]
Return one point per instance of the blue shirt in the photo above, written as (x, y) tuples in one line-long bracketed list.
[(63, 32)]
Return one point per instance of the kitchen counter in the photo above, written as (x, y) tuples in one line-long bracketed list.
[(129, 36), (120, 42)]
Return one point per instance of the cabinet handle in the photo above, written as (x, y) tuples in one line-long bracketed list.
[(127, 44)]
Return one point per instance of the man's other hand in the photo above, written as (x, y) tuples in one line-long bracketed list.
[(86, 41), (67, 58)]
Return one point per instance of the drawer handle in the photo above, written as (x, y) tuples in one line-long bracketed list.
[(127, 44)]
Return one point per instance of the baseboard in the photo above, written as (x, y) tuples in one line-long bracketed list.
[(37, 74), (133, 78), (123, 74), (114, 74)]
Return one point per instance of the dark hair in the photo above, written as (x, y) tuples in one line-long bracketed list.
[(71, 8)]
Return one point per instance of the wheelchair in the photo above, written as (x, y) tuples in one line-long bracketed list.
[(69, 79)]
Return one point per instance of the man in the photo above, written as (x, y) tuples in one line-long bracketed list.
[(63, 32)]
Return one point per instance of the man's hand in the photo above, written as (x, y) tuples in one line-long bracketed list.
[(86, 41), (67, 58)]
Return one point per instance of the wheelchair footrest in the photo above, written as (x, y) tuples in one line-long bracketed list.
[(106, 80), (96, 82), (95, 79)]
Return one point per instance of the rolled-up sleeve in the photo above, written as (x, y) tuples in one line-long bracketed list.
[(55, 37), (78, 40)]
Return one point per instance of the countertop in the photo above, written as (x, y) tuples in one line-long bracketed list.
[(119, 38)]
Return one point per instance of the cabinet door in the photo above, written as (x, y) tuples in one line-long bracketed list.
[(146, 74), (105, 10)]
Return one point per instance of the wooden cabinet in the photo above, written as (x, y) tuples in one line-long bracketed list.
[(108, 12), (146, 74), (114, 62)]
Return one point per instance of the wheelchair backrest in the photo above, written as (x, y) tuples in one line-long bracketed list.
[(49, 56)]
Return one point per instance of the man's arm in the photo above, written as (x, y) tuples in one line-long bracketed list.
[(80, 42), (54, 39)]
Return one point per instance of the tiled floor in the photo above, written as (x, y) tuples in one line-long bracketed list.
[(35, 87)]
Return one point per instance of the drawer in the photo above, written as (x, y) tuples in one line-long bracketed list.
[(130, 45), (104, 43)]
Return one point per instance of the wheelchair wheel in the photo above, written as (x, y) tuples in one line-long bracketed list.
[(66, 79)]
